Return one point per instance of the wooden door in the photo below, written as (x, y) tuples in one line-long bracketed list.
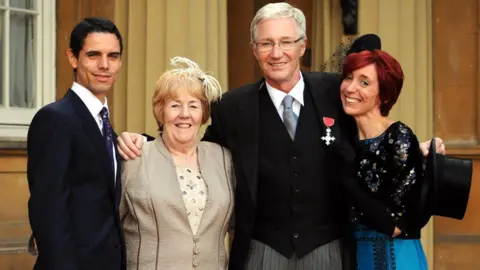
[(456, 59)]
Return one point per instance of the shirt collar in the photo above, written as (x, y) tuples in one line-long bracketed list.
[(93, 104), (277, 96)]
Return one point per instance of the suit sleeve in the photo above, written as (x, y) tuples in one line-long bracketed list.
[(49, 146), (214, 132), (123, 208), (148, 137), (129, 173)]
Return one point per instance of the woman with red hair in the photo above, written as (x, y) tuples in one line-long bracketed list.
[(388, 165)]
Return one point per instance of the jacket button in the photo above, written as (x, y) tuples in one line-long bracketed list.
[(195, 263), (196, 251), (196, 239), (295, 235)]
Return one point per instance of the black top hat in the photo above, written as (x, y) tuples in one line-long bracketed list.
[(367, 42), (446, 187)]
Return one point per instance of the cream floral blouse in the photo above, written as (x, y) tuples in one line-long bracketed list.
[(195, 194)]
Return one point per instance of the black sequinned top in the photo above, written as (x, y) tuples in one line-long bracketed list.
[(390, 170)]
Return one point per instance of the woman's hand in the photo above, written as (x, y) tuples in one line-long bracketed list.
[(396, 232), (438, 143)]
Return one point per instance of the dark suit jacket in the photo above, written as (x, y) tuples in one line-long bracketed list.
[(235, 126), (73, 205)]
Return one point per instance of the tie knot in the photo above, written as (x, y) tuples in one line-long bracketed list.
[(104, 113), (287, 102)]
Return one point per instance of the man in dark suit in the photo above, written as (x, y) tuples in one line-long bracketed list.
[(290, 213), (73, 169)]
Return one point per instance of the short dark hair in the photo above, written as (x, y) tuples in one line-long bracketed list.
[(92, 25), (389, 72)]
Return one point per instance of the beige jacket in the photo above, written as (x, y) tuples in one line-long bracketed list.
[(157, 231)]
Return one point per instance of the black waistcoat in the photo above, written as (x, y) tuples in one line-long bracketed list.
[(296, 212)]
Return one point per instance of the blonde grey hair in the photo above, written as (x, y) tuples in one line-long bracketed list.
[(185, 73), (187, 69), (276, 11)]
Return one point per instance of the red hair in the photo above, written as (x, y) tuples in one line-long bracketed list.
[(389, 72)]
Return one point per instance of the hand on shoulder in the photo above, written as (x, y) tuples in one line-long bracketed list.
[(130, 145)]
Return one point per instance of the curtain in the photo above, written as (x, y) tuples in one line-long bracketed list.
[(153, 32), (1, 65), (22, 62), (2, 15)]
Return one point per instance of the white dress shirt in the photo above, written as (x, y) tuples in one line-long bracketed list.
[(94, 105), (277, 97)]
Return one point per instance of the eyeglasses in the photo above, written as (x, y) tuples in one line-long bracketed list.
[(285, 45)]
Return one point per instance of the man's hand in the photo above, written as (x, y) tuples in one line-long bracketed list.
[(438, 143), (129, 145)]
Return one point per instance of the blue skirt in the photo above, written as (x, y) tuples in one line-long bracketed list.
[(377, 251)]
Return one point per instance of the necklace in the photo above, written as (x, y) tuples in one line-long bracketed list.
[(186, 157), (188, 160), (181, 159)]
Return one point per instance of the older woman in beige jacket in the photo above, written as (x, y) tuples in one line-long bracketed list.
[(178, 196)]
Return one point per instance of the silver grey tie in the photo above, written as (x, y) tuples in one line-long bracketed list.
[(289, 117)]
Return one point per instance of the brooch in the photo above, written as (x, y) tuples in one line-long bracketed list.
[(328, 138)]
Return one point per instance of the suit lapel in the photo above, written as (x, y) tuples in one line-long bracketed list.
[(321, 89), (95, 137), (169, 188), (209, 173), (246, 124)]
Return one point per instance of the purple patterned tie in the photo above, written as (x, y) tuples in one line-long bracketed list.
[(107, 134)]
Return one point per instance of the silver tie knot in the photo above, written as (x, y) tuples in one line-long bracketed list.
[(287, 102)]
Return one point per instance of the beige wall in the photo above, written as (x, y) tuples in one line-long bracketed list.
[(405, 29), (14, 223), (155, 31)]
